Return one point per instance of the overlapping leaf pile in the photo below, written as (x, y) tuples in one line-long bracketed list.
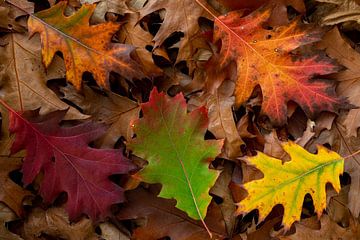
[(180, 119)]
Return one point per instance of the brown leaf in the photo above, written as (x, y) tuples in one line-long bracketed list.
[(349, 85), (23, 77), (110, 232), (11, 193), (6, 215), (180, 16), (221, 189), (337, 207), (221, 119), (132, 33), (328, 230), (55, 223), (340, 11), (7, 20), (113, 109), (163, 219)]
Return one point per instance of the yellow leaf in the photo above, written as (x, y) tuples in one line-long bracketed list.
[(288, 183)]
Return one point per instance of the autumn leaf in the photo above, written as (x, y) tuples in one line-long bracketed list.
[(170, 138), (349, 79), (6, 215), (181, 16), (288, 183), (23, 78), (114, 110), (263, 57), (163, 219), (54, 222), (340, 11), (328, 230), (68, 163), (85, 48)]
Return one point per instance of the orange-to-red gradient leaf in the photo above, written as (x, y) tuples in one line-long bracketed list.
[(263, 57)]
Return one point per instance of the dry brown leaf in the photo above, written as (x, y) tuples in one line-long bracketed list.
[(11, 193), (337, 206), (221, 119), (162, 219), (7, 20), (110, 232), (55, 223), (340, 11), (180, 16), (114, 110), (132, 33), (23, 77), (221, 189), (328, 230), (349, 85), (7, 215)]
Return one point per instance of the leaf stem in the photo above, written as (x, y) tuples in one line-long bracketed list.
[(353, 154)]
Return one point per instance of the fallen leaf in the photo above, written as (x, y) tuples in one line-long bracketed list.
[(181, 16), (163, 219), (349, 79), (170, 138), (328, 230), (85, 48), (288, 183), (113, 109), (68, 163), (55, 222), (23, 78), (264, 58), (6, 215), (132, 33), (341, 11)]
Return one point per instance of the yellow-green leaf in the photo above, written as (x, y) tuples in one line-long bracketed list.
[(288, 183)]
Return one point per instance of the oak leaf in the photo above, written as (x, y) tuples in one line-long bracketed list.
[(349, 80), (6, 215), (340, 11), (55, 222), (163, 219), (68, 163), (181, 16), (263, 57), (114, 110), (328, 230), (84, 47), (23, 78), (170, 138), (288, 183)]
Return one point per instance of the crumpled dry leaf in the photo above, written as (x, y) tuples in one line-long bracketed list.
[(7, 20), (113, 109), (180, 16), (6, 215), (23, 77), (110, 232), (55, 223), (163, 219), (306, 229), (227, 206), (340, 11), (349, 79)]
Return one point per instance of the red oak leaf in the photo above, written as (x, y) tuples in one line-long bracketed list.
[(68, 163)]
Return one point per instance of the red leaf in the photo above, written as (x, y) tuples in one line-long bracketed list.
[(68, 163)]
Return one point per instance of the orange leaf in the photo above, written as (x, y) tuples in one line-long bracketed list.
[(85, 48), (263, 58)]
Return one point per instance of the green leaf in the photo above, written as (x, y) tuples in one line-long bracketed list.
[(172, 141)]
